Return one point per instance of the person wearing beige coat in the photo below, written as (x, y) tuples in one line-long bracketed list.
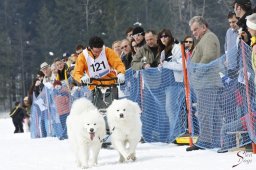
[(206, 83)]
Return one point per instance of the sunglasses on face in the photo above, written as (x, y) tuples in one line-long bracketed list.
[(190, 42), (136, 35), (164, 36)]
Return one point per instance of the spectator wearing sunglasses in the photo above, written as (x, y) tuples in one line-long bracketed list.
[(138, 35), (170, 58), (170, 54), (189, 45)]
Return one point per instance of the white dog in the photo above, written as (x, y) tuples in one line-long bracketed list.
[(86, 129), (124, 121)]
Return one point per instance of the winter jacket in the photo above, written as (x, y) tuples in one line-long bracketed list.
[(114, 62), (17, 113), (142, 56)]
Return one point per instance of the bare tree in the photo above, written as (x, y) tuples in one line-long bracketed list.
[(91, 10), (203, 8)]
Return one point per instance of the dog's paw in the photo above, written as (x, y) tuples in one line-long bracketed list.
[(94, 163), (132, 157), (84, 167)]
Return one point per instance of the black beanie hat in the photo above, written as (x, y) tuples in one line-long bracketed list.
[(137, 30)]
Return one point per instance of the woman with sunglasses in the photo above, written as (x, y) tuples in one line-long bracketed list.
[(170, 58), (189, 45)]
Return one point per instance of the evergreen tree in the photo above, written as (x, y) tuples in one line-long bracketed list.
[(48, 36), (30, 29)]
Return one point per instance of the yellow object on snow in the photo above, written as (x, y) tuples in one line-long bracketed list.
[(185, 140)]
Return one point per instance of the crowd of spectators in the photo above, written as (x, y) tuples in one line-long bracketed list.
[(143, 49)]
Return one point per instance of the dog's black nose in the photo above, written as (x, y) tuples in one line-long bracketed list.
[(121, 115), (91, 130)]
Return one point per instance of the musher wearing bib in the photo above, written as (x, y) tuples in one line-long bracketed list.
[(98, 61)]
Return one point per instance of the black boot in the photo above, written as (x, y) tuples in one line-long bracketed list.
[(16, 130), (193, 148), (222, 150)]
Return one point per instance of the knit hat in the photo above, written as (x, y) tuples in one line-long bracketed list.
[(250, 21), (44, 65), (138, 30)]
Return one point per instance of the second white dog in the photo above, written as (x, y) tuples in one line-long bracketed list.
[(125, 125), (86, 129)]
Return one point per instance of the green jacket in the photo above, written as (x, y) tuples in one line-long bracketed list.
[(144, 55)]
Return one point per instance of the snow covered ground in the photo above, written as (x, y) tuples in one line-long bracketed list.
[(20, 152), (4, 115)]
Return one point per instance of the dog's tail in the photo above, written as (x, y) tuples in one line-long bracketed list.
[(80, 105)]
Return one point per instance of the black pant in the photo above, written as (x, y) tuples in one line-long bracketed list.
[(102, 101), (18, 124), (110, 95)]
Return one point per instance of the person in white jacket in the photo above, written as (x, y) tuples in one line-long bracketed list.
[(170, 58)]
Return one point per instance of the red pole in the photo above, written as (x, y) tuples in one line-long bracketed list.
[(187, 93), (248, 95), (141, 90)]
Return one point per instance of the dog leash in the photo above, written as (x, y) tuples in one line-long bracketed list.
[(105, 139)]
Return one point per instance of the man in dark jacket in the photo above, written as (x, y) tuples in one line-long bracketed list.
[(146, 56), (17, 114), (243, 8)]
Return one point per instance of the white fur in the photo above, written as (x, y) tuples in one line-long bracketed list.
[(126, 129), (84, 116)]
